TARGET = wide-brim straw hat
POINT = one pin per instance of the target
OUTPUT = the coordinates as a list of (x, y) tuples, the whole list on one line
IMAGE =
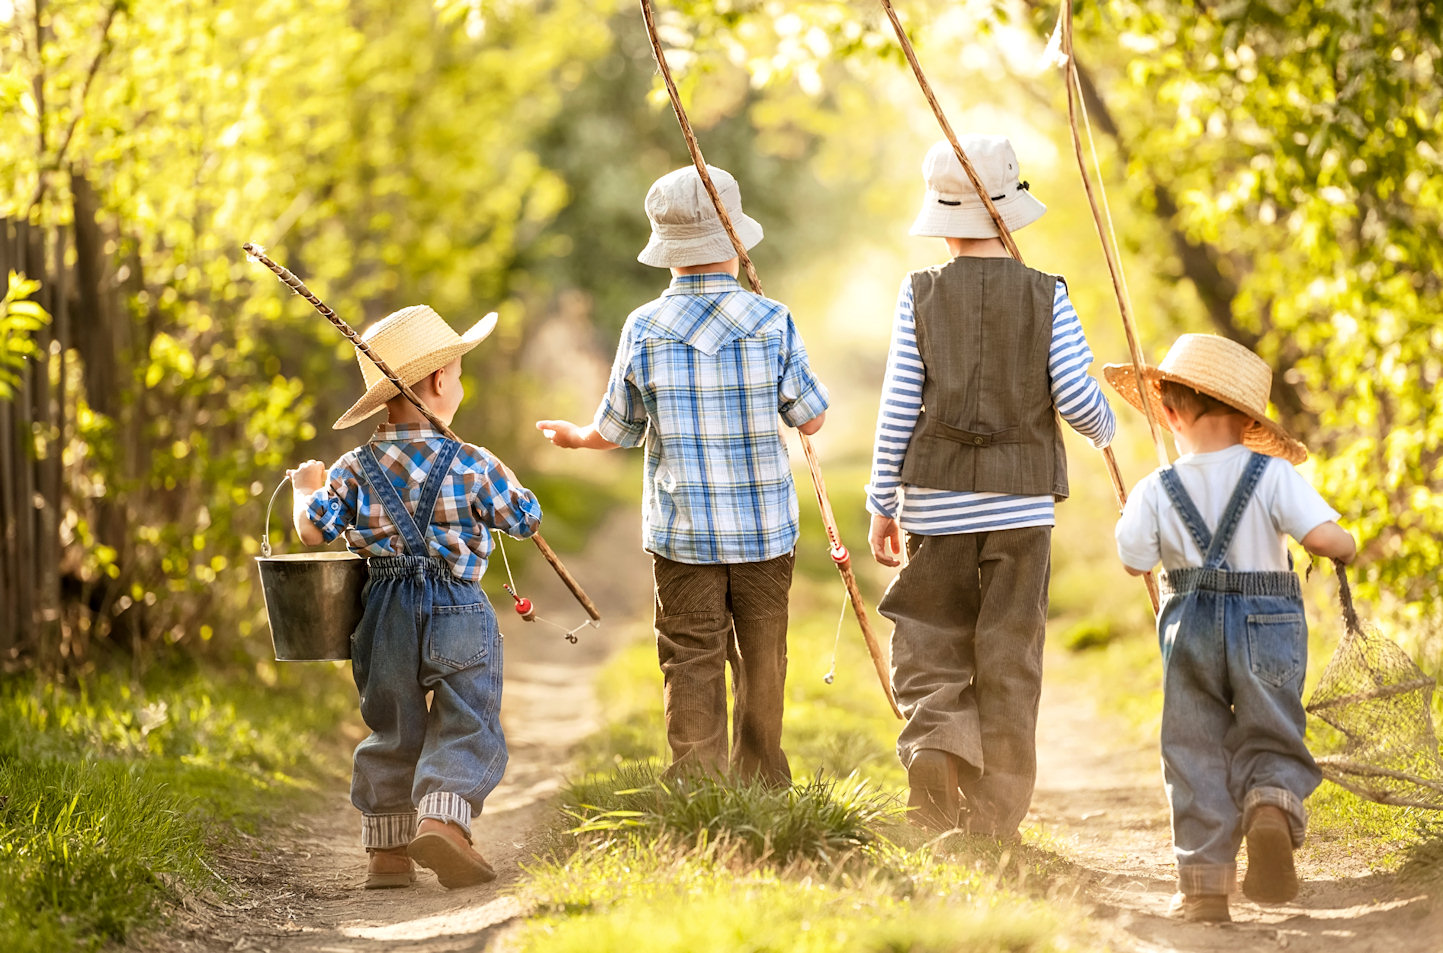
[(1222, 369), (413, 342), (953, 209), (685, 227)]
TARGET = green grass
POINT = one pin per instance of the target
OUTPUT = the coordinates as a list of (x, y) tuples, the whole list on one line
[(114, 795), (664, 896), (825, 866), (819, 820)]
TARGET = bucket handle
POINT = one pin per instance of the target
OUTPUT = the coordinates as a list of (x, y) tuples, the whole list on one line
[(266, 527)]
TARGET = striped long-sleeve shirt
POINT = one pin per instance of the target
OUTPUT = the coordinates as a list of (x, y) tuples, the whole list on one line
[(932, 512)]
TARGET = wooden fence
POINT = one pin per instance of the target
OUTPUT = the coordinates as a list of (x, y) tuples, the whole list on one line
[(52, 602)]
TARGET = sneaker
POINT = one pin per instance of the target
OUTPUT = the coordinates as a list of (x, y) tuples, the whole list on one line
[(1271, 876), (444, 848), (388, 867), (933, 793), (1200, 907)]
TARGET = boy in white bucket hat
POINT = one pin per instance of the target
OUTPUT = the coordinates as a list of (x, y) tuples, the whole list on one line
[(1233, 636), (968, 461), (420, 507), (700, 376)]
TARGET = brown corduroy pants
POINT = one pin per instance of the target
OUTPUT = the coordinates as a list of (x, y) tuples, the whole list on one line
[(709, 617), (970, 612)]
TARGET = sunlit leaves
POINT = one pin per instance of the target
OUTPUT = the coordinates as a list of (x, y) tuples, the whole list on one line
[(1301, 140), (20, 319)]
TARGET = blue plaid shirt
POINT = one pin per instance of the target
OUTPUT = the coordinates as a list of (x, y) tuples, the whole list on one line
[(700, 376), (475, 498)]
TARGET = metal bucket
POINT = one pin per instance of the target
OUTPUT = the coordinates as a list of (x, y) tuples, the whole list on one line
[(313, 600)]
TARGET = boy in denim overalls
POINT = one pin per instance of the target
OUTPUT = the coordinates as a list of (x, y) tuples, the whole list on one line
[(700, 377), (1233, 636), (420, 507)]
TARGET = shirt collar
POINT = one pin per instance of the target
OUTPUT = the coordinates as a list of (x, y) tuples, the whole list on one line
[(709, 283), (404, 433)]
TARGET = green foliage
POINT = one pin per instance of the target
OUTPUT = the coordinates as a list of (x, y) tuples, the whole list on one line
[(1299, 145), (20, 319), (113, 796), (1087, 634)]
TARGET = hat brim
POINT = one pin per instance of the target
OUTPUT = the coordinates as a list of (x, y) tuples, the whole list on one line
[(939, 220), (383, 390), (1263, 435), (712, 247)]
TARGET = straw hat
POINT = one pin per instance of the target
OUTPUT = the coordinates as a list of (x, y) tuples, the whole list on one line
[(413, 342), (953, 209), (685, 228), (1220, 368)]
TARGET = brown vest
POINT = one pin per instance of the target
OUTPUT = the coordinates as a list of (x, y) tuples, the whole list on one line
[(984, 329)]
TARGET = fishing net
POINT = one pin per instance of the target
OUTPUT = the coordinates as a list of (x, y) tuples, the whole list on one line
[(1381, 703)]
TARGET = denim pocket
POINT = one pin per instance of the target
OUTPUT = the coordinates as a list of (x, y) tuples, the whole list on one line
[(457, 636), (1275, 647)]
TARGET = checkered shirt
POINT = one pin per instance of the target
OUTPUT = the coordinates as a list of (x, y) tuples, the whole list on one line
[(700, 376), (476, 497)]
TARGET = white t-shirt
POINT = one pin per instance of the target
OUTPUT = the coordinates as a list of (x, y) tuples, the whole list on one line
[(1283, 504)]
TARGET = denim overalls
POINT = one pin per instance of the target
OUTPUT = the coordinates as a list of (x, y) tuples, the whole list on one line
[(423, 630), (1234, 649)]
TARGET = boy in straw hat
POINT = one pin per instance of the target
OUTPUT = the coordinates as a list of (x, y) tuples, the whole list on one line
[(968, 461), (700, 375), (420, 507), (1231, 627)]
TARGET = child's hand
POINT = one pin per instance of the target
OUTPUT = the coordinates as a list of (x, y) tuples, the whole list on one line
[(308, 477), (885, 535), (564, 433)]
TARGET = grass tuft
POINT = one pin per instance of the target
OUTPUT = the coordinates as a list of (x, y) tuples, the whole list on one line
[(820, 820)]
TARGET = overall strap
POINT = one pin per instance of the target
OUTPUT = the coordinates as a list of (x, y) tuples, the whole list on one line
[(1233, 514), (1191, 518), (408, 526), (435, 479)]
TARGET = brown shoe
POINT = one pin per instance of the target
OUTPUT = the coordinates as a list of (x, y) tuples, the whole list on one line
[(932, 792), (388, 867), (444, 848), (1200, 907), (1271, 876)]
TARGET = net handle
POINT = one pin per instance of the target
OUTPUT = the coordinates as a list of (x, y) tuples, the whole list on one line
[(1345, 598)]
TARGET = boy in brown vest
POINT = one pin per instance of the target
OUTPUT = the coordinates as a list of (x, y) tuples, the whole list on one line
[(968, 461)]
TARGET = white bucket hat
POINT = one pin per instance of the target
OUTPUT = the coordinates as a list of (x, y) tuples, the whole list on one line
[(413, 342), (953, 209), (1220, 368), (685, 228)]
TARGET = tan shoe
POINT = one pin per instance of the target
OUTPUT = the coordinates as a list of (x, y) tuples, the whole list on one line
[(1271, 876), (388, 867), (933, 792), (1200, 907), (444, 848)]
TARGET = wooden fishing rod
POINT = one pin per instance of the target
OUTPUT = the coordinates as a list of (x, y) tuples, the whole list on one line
[(837, 551), (1105, 236), (1118, 486), (296, 285)]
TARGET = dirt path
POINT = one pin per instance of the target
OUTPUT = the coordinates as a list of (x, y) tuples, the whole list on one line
[(1101, 799)]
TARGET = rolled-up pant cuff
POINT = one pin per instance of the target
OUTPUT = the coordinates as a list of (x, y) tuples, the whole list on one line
[(444, 806), (384, 831), (1213, 879), (1290, 804)]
